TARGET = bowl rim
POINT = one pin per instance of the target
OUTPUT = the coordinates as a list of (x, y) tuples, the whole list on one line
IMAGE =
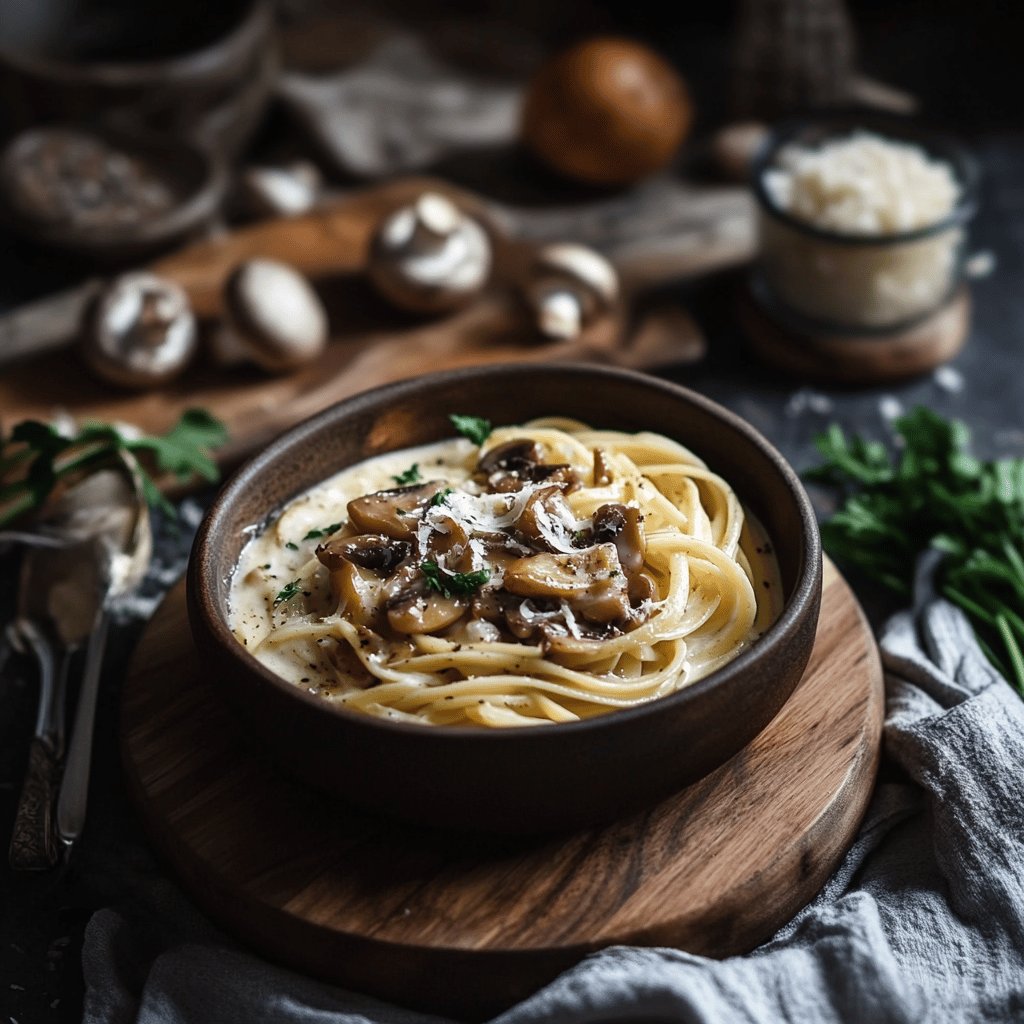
[(805, 592), (254, 22), (894, 127)]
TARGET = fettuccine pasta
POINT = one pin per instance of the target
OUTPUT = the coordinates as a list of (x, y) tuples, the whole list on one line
[(553, 573)]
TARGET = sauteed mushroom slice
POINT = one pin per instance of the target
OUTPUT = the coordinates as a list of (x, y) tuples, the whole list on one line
[(558, 473), (602, 469), (546, 516), (425, 613), (358, 591), (413, 608), (388, 512), (641, 588), (591, 581), (374, 551), (513, 455), (449, 543), (508, 466), (622, 525), (488, 606)]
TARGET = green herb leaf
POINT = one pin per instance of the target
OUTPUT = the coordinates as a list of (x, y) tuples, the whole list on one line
[(408, 476), (475, 428), (325, 532), (935, 493), (36, 456), (441, 496), (449, 584), (292, 546), (287, 592), (185, 449)]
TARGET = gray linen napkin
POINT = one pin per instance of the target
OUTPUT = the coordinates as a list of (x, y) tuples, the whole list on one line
[(924, 920)]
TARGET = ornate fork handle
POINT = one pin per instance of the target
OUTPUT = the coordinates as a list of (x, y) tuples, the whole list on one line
[(34, 844)]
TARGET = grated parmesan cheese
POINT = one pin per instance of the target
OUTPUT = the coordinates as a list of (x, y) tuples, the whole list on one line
[(874, 190), (863, 185)]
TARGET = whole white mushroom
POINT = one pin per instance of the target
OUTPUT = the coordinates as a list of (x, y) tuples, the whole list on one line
[(430, 256)]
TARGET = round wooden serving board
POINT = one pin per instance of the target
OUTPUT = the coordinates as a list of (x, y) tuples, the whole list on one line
[(468, 925)]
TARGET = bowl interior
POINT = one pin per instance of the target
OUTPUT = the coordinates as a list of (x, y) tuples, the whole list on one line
[(416, 412)]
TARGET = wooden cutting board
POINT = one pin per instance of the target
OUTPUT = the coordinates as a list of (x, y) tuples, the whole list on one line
[(469, 925), (373, 343)]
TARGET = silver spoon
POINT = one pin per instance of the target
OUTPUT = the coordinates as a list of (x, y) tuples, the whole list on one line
[(128, 552)]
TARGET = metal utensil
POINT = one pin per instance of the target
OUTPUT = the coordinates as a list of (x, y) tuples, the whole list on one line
[(58, 601), (126, 556)]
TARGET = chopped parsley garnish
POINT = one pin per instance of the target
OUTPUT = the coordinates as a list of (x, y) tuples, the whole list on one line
[(475, 428), (450, 584), (292, 546), (265, 566), (325, 532), (409, 476), (441, 496), (287, 592)]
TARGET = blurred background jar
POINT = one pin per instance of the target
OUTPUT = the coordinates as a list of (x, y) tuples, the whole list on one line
[(862, 221)]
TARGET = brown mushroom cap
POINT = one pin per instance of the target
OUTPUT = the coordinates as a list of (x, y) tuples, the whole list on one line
[(607, 111), (592, 581), (372, 551), (388, 511), (623, 526)]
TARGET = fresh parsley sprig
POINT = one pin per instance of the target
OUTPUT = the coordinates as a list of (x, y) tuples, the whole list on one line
[(408, 476), (325, 531), (449, 584), (287, 592), (36, 456), (476, 428), (936, 493)]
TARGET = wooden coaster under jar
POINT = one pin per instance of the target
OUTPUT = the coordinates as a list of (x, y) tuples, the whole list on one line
[(855, 358), (884, 299)]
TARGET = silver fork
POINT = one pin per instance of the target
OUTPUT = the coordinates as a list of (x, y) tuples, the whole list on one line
[(33, 838)]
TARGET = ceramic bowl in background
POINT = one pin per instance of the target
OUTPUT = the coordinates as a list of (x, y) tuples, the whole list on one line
[(184, 68)]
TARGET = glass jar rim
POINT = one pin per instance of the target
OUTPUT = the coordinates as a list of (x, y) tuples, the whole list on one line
[(895, 127)]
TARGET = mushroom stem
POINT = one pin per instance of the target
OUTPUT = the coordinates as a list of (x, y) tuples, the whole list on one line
[(436, 219), (560, 315)]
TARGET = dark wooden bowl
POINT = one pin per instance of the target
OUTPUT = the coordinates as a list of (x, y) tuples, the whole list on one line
[(517, 780), (184, 68)]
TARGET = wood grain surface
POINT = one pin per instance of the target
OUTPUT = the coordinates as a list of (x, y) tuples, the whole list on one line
[(468, 925), (850, 359), (371, 342)]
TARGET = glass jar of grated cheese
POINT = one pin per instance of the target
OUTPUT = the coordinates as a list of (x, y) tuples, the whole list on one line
[(861, 229)]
